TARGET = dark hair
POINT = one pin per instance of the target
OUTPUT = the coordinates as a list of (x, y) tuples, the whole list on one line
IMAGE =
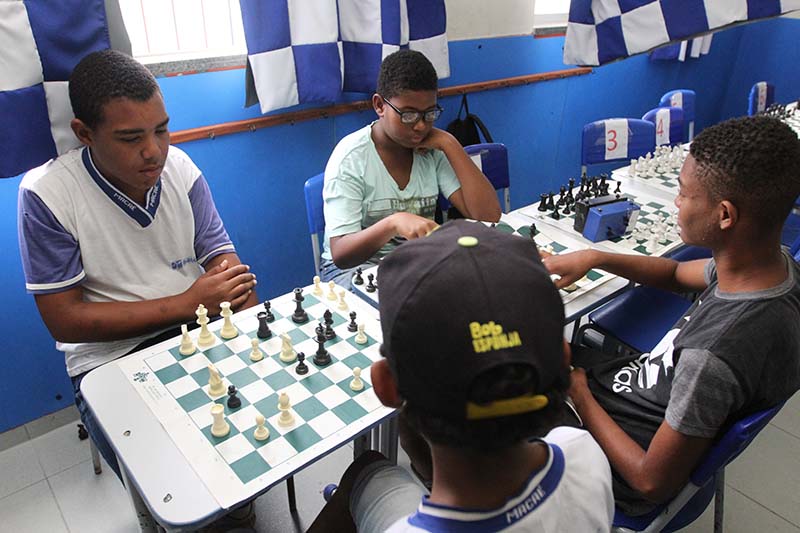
[(406, 70), (103, 76), (494, 434), (754, 162)]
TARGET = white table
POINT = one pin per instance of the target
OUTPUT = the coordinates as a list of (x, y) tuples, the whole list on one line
[(164, 489)]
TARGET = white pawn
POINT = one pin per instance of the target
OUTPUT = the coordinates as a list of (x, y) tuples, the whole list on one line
[(215, 385), (220, 427), (255, 353), (187, 345), (342, 303), (206, 338), (287, 418), (261, 432), (287, 350), (332, 290), (317, 286), (361, 337), (357, 383), (632, 169), (228, 330)]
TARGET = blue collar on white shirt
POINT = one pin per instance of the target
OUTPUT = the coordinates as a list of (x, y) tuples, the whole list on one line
[(433, 517), (143, 215)]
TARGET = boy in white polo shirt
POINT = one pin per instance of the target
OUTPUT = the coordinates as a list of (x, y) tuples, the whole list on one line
[(120, 240)]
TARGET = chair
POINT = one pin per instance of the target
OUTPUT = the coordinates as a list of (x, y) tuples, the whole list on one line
[(639, 318), (493, 162), (707, 480), (684, 99), (762, 95), (316, 215), (669, 124), (616, 139)]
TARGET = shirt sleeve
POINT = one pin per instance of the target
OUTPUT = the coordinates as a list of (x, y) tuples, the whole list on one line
[(446, 176), (704, 393), (210, 237), (343, 196), (51, 256)]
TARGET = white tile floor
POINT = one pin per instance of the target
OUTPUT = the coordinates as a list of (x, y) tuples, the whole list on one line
[(47, 484)]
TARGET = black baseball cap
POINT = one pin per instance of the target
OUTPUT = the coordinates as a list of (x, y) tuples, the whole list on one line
[(461, 301)]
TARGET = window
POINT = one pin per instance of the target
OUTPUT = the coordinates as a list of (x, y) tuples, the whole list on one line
[(548, 13), (180, 30)]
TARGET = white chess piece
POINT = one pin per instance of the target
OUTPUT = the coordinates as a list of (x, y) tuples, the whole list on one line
[(228, 330), (287, 350), (632, 169), (342, 303), (187, 345), (261, 432), (332, 290), (287, 418), (215, 385), (317, 286), (361, 337), (206, 338), (255, 353), (357, 383), (220, 427)]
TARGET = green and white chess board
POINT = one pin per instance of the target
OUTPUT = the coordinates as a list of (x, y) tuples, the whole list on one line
[(327, 412)]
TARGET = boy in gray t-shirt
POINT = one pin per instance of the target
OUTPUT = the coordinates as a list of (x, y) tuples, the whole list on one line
[(736, 350)]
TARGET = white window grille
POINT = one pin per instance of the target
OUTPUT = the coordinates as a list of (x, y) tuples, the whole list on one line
[(180, 30)]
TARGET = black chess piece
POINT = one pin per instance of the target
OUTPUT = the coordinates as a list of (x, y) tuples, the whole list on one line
[(566, 210), (562, 196), (555, 214), (534, 231), (571, 184), (550, 203), (371, 287), (358, 279), (322, 357), (302, 367), (263, 326), (82, 433), (268, 310), (543, 202), (327, 317), (618, 190), (299, 316), (352, 326), (233, 401), (329, 333)]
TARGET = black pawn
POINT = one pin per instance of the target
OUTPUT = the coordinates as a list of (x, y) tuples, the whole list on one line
[(555, 214), (566, 210), (329, 333), (542, 202), (322, 357), (233, 401), (302, 367), (371, 287), (268, 311), (358, 279), (534, 231), (352, 326), (550, 203), (299, 316), (263, 326), (618, 190)]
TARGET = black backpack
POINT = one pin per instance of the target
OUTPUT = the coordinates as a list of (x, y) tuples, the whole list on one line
[(468, 129)]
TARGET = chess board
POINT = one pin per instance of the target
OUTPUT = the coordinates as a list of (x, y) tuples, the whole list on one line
[(793, 121), (517, 225), (662, 184), (327, 412), (652, 209)]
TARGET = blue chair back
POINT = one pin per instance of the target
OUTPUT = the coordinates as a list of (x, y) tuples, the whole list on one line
[(315, 215), (706, 479), (669, 124), (684, 99), (617, 139), (762, 95), (494, 165)]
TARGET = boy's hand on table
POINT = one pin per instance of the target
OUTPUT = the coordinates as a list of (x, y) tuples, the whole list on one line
[(571, 267), (410, 226), (223, 283)]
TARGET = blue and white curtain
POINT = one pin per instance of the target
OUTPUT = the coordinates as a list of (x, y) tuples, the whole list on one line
[(41, 41), (304, 51), (600, 31), (697, 47)]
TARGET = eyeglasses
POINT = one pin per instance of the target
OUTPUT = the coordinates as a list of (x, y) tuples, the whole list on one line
[(412, 117)]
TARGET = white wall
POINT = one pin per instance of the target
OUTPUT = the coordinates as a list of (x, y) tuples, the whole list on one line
[(474, 19)]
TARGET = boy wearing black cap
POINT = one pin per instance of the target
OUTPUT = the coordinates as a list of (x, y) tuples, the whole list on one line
[(478, 381), (736, 350)]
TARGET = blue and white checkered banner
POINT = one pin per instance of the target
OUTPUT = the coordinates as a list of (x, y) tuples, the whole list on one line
[(600, 31), (302, 51), (41, 41)]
